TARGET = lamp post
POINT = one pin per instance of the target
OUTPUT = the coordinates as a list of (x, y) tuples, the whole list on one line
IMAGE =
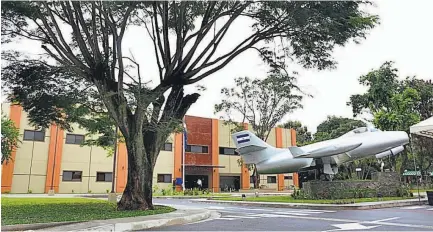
[(112, 196)]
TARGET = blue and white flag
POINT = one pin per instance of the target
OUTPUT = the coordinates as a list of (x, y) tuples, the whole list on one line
[(243, 138)]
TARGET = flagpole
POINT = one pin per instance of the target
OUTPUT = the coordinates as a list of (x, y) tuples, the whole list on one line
[(183, 156)]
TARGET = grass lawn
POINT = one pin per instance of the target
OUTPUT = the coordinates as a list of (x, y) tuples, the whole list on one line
[(289, 199), (42, 210)]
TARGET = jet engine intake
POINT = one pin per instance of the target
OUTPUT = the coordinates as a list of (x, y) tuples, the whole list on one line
[(393, 151)]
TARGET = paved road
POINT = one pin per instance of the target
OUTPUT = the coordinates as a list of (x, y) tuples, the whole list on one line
[(245, 218)]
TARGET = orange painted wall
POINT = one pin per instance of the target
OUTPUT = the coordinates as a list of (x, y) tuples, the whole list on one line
[(293, 138), (178, 158), (8, 169), (55, 151), (245, 174), (122, 167), (279, 144), (200, 133), (215, 154)]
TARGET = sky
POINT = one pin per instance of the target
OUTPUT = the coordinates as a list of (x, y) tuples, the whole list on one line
[(405, 36)]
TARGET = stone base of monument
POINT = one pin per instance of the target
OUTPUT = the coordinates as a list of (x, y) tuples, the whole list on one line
[(383, 184)]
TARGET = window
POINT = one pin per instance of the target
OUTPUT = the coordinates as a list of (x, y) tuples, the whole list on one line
[(72, 175), (168, 147), (288, 177), (104, 176), (30, 135), (228, 151), (271, 180), (197, 149), (164, 178), (74, 139)]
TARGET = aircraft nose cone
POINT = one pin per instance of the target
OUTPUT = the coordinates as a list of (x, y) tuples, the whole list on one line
[(401, 137)]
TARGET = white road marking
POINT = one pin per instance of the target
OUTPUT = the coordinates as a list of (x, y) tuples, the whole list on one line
[(386, 219), (352, 226), (431, 209), (414, 207), (229, 219), (235, 216), (215, 207)]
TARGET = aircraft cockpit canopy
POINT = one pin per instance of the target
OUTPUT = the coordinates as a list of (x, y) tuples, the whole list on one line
[(360, 130)]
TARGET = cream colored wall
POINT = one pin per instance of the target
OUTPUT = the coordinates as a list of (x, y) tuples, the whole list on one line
[(224, 140), (100, 163), (6, 109), (164, 165), (224, 135), (287, 138), (264, 181), (287, 183), (31, 159)]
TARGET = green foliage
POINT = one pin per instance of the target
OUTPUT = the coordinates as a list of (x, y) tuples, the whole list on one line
[(10, 138), (334, 127), (303, 136), (396, 105), (41, 210)]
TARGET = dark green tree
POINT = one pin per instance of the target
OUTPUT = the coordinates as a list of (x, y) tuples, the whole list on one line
[(303, 136), (84, 68), (261, 103), (394, 104)]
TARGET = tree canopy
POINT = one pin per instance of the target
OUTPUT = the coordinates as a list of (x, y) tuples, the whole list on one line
[(334, 127), (84, 70), (303, 136)]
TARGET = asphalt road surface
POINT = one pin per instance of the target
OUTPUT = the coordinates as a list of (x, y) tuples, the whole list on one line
[(252, 218)]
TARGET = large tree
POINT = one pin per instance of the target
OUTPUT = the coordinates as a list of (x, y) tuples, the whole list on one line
[(394, 103), (84, 68), (261, 103)]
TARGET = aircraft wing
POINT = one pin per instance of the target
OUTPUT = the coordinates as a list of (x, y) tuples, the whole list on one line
[(325, 151)]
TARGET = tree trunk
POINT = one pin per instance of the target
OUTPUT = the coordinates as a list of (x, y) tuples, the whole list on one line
[(257, 178), (138, 191)]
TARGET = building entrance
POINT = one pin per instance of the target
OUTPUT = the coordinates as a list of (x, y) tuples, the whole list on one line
[(191, 181), (228, 183)]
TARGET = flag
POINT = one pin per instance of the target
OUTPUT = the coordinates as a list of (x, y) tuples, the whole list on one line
[(185, 134)]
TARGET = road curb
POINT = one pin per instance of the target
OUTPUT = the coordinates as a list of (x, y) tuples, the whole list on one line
[(108, 226), (356, 206), (37, 226), (161, 222)]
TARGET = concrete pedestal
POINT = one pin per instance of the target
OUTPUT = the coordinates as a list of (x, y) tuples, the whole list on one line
[(51, 192), (112, 197)]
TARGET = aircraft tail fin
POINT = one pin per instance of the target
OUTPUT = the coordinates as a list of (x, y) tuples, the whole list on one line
[(251, 148)]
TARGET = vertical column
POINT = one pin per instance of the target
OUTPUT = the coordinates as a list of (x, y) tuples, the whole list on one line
[(122, 167), (8, 168), (279, 144), (293, 143), (177, 172), (245, 174), (215, 156), (55, 152)]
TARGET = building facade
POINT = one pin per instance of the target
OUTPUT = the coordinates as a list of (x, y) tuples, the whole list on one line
[(54, 160)]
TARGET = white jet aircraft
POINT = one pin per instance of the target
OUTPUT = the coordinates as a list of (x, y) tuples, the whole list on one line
[(324, 156)]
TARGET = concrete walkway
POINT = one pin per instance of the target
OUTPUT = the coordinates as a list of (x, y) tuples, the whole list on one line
[(182, 215)]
